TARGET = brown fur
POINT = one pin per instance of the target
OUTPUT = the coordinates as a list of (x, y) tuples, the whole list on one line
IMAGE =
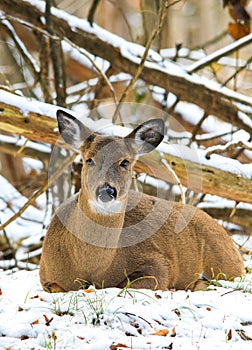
[(172, 243)]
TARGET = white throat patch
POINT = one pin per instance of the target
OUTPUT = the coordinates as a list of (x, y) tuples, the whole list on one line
[(106, 208)]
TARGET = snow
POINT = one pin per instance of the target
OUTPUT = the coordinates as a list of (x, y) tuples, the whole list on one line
[(28, 106), (220, 53), (112, 318), (101, 319), (134, 52), (199, 156)]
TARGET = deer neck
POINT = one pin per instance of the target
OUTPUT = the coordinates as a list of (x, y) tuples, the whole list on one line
[(102, 229)]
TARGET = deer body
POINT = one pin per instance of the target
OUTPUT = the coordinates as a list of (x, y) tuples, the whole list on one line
[(108, 234)]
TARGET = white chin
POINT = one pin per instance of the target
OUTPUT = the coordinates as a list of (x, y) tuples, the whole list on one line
[(106, 208)]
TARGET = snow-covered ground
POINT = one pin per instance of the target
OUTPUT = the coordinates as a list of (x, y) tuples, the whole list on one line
[(116, 319), (30, 318)]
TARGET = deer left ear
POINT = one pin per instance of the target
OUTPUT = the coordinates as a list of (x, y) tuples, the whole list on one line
[(147, 136), (72, 130)]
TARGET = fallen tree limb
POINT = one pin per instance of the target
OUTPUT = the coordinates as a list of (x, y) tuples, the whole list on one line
[(242, 217), (125, 56), (37, 122)]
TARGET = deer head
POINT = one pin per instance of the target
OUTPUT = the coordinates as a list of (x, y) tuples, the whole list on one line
[(108, 160)]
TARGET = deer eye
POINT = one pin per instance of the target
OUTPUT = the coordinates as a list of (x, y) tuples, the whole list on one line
[(90, 162), (124, 163)]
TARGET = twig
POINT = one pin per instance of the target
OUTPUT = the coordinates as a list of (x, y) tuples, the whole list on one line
[(174, 175), (54, 177), (227, 50), (198, 126), (212, 41), (57, 59), (29, 25), (116, 3), (233, 211), (201, 138), (20, 150), (237, 71), (156, 30), (219, 149), (92, 10), (102, 74), (29, 60)]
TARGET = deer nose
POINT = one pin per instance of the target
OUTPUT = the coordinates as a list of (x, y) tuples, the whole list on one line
[(106, 193)]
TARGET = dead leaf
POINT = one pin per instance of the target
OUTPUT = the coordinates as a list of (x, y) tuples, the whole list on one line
[(161, 332), (117, 346), (173, 332), (238, 30), (229, 334), (81, 338), (20, 309), (35, 297), (35, 322), (47, 320), (1, 291), (24, 337)]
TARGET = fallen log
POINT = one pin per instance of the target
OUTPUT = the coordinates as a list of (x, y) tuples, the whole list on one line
[(218, 176)]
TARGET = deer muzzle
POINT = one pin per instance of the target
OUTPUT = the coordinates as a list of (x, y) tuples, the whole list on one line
[(106, 193)]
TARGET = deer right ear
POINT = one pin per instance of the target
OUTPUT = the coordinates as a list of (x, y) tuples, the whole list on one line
[(147, 136), (72, 130)]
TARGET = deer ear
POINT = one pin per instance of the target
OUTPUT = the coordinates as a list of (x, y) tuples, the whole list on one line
[(147, 136), (71, 129)]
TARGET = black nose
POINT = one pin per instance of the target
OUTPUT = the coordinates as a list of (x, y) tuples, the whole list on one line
[(106, 193)]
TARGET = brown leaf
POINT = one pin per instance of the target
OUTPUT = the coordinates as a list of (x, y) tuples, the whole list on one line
[(81, 338), (229, 334), (24, 337), (35, 297), (20, 309), (238, 30), (161, 332), (47, 320), (173, 332), (35, 322), (1, 292), (114, 346)]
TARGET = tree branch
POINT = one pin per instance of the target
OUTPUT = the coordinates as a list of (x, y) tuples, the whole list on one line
[(124, 57), (213, 57), (193, 173), (51, 180)]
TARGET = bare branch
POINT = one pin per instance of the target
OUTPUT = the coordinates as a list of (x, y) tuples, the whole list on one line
[(156, 30), (213, 57), (57, 58), (120, 53), (220, 149), (204, 178), (92, 10), (44, 188)]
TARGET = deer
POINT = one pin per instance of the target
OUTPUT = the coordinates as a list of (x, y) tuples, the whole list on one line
[(109, 235)]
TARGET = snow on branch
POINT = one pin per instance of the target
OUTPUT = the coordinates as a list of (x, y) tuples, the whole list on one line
[(219, 176), (125, 56), (213, 57), (230, 146)]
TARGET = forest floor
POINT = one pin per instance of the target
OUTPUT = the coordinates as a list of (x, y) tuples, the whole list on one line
[(111, 318)]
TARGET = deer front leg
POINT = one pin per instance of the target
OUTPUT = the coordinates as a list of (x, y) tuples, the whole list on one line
[(53, 288), (149, 276)]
